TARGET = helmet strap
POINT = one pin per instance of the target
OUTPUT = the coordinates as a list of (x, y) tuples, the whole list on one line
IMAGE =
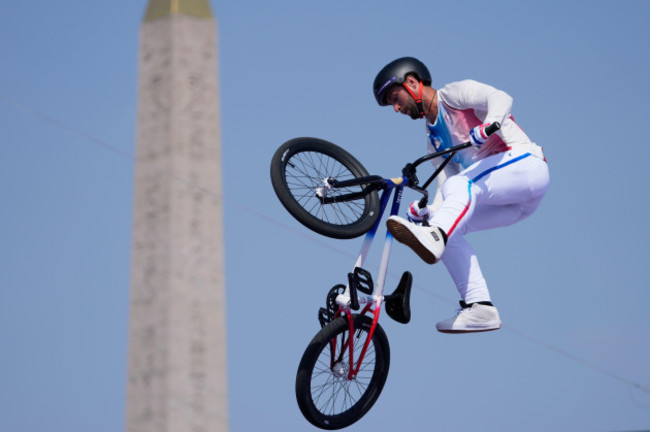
[(418, 98)]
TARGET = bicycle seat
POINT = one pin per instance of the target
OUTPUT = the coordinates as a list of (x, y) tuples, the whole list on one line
[(398, 304)]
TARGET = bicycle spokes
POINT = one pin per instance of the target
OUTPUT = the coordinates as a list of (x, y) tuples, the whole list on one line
[(345, 380), (333, 389), (349, 352)]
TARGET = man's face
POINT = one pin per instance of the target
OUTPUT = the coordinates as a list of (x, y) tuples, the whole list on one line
[(402, 102)]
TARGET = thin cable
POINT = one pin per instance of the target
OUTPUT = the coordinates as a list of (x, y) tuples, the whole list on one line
[(578, 359), (73, 131), (262, 216)]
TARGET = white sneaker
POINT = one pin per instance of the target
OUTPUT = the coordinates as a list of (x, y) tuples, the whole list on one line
[(428, 242), (471, 318)]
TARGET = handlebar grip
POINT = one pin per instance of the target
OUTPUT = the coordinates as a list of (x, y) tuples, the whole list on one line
[(492, 128)]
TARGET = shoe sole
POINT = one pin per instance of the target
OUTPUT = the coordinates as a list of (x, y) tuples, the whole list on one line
[(469, 331), (403, 235)]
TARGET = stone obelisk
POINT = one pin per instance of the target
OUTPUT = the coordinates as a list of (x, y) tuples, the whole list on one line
[(177, 380)]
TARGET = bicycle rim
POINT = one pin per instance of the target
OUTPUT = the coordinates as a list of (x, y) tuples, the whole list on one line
[(299, 168), (326, 395)]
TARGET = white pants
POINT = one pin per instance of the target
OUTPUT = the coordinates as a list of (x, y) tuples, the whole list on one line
[(494, 192)]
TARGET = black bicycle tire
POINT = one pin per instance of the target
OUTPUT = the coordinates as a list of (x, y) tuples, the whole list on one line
[(353, 219), (320, 342)]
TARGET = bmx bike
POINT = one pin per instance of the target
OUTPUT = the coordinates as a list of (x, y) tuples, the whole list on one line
[(344, 368)]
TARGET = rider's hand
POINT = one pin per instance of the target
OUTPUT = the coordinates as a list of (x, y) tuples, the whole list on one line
[(477, 136), (416, 214)]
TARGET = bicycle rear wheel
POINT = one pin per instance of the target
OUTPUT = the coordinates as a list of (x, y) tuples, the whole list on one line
[(298, 169), (326, 396)]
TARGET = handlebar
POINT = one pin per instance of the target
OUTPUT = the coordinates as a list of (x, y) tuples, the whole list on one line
[(488, 131), (409, 169), (372, 183)]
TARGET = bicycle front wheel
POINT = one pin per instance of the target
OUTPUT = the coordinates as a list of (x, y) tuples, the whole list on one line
[(327, 397), (299, 168)]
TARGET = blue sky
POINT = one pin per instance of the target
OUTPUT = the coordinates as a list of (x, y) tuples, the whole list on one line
[(569, 282)]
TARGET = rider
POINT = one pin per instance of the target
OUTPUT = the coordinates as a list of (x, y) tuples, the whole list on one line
[(498, 181)]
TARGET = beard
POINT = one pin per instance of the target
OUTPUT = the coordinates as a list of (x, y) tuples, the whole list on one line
[(412, 111), (414, 115)]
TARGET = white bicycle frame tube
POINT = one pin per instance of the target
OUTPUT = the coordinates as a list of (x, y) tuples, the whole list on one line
[(378, 293)]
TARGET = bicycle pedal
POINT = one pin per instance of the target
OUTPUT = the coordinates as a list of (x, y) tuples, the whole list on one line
[(398, 304), (363, 281)]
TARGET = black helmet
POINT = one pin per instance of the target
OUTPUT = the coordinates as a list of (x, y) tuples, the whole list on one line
[(395, 72)]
